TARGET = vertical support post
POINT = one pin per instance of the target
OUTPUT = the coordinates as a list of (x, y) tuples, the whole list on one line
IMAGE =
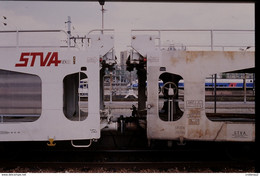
[(111, 86), (159, 39), (79, 96), (17, 38), (141, 72), (69, 30), (215, 76), (102, 25), (211, 39), (212, 87), (170, 109), (102, 3), (120, 83), (253, 83), (101, 84), (244, 80), (215, 93)]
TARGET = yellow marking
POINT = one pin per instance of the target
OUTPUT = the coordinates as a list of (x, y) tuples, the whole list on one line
[(51, 144)]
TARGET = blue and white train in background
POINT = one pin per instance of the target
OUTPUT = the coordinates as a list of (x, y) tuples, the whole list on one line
[(209, 83), (229, 83), (83, 88)]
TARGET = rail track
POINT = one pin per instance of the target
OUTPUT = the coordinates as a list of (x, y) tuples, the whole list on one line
[(182, 159), (187, 166)]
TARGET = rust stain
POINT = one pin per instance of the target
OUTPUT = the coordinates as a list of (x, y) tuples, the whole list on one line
[(194, 113), (192, 55), (174, 60), (198, 133), (207, 132), (193, 121), (229, 54)]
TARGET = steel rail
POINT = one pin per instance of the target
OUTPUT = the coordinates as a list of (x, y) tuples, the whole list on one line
[(181, 166)]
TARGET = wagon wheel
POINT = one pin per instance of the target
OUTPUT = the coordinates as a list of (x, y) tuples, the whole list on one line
[(167, 86)]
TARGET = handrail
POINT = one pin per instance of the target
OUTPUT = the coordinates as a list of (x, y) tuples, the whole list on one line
[(31, 31), (101, 30), (82, 146), (10, 31), (169, 30), (211, 31), (44, 31)]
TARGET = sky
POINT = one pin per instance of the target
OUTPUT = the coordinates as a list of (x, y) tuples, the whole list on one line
[(124, 16)]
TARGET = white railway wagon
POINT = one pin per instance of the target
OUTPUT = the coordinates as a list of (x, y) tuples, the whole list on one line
[(43, 80), (169, 122), (40, 78)]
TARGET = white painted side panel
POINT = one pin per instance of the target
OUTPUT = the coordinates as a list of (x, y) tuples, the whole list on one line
[(52, 122), (193, 67)]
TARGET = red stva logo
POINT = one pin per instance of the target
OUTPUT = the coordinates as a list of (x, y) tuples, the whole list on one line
[(28, 59)]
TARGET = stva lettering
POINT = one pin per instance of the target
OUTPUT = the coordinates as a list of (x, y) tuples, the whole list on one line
[(28, 59)]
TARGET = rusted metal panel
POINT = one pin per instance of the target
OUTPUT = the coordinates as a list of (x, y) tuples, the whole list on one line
[(193, 66)]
